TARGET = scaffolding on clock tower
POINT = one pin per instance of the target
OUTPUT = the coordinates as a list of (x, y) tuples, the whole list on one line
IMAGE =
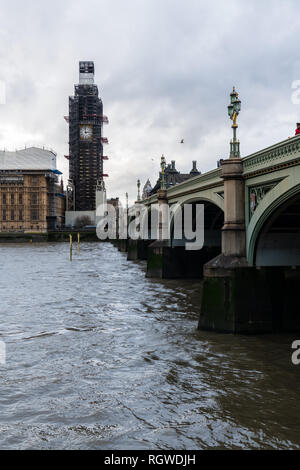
[(86, 141)]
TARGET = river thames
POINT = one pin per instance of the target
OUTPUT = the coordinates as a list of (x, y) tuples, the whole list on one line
[(99, 357)]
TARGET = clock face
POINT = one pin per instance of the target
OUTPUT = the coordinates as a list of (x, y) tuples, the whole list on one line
[(86, 132)]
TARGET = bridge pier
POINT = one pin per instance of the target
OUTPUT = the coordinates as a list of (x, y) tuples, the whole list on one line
[(167, 262), (235, 297), (249, 300), (156, 250), (137, 249), (123, 245), (233, 292)]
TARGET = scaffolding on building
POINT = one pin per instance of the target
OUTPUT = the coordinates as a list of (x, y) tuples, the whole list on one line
[(85, 155)]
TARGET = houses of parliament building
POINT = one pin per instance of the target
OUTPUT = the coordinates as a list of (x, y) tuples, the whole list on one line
[(31, 197)]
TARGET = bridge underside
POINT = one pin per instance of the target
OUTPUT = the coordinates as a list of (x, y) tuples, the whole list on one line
[(279, 241), (213, 223), (171, 260), (262, 298)]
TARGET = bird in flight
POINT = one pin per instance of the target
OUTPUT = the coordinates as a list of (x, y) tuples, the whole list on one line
[(182, 141)]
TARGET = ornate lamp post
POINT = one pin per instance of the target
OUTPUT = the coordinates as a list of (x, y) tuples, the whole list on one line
[(127, 217), (163, 167), (139, 190), (233, 112)]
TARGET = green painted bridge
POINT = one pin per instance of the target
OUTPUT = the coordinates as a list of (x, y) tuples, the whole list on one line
[(250, 260), (271, 198)]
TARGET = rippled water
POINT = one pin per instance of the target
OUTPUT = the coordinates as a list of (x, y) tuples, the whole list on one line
[(99, 357)]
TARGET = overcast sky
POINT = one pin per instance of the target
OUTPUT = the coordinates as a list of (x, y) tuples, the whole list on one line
[(164, 69)]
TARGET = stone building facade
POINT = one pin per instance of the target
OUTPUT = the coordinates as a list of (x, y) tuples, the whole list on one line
[(31, 198)]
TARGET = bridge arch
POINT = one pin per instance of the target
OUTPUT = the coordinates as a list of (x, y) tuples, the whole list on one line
[(273, 231), (201, 196), (213, 220)]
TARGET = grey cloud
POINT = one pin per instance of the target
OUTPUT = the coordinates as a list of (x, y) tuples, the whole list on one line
[(164, 70)]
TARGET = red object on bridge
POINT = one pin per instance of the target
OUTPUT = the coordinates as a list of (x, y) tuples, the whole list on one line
[(297, 131), (104, 176), (104, 140), (105, 158)]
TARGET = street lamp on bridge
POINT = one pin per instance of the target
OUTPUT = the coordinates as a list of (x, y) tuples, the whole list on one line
[(139, 190), (163, 168), (233, 112)]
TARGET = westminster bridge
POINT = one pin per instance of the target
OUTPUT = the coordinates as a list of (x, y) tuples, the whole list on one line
[(250, 261)]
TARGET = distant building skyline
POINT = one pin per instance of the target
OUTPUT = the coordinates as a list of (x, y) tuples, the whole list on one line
[(173, 177)]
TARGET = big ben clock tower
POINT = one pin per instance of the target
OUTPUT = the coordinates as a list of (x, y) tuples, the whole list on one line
[(85, 140)]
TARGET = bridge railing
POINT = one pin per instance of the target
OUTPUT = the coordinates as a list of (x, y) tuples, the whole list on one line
[(282, 152)]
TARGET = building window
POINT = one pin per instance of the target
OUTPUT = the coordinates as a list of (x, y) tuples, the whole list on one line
[(20, 214), (12, 215), (20, 198), (34, 214), (34, 198), (34, 180), (4, 215), (12, 198), (3, 198)]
